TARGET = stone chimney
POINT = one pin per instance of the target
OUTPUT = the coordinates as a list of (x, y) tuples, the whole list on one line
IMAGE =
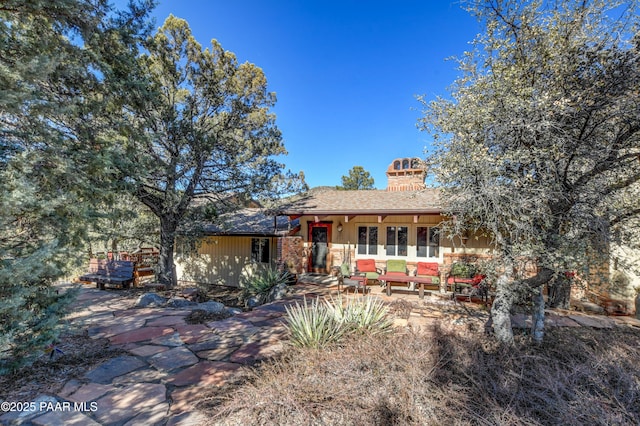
[(406, 174)]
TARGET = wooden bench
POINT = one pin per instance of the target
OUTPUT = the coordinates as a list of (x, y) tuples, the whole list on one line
[(113, 272), (143, 274)]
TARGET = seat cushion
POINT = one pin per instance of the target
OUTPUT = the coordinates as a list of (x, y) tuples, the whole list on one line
[(366, 265), (397, 265), (344, 270), (477, 279), (429, 269)]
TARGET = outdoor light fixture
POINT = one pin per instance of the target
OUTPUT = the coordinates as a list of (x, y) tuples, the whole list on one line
[(339, 228)]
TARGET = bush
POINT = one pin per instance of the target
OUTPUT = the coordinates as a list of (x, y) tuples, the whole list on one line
[(260, 285), (319, 324), (462, 270)]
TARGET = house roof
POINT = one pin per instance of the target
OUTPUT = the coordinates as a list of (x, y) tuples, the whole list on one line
[(328, 201), (251, 221)]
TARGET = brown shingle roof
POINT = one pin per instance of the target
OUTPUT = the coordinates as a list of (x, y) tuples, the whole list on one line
[(327, 200), (250, 221)]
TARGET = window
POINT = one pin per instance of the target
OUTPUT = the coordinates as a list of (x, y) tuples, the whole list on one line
[(427, 242), (405, 164), (260, 250), (397, 238), (367, 240), (396, 165)]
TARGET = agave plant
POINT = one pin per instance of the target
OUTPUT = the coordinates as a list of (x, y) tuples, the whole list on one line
[(261, 284)]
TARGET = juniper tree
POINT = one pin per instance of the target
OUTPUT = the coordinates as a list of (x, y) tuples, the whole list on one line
[(539, 144)]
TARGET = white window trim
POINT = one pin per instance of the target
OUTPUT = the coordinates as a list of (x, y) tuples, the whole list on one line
[(412, 248)]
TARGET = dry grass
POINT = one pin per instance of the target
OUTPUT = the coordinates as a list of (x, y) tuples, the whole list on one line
[(578, 376), (48, 375)]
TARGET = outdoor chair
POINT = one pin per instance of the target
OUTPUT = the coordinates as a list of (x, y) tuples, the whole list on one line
[(466, 281), (429, 270), (367, 267), (345, 280), (397, 267)]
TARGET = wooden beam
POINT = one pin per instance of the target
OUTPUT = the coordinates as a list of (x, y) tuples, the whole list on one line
[(415, 218), (381, 218), (347, 218)]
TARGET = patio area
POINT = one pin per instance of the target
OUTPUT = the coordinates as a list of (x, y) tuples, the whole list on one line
[(164, 362)]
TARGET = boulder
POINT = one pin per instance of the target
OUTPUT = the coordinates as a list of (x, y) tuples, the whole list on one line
[(254, 301), (234, 311), (278, 292), (179, 302), (211, 306), (150, 299), (190, 293)]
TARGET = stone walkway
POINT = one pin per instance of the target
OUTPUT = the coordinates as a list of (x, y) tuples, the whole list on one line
[(166, 365), (167, 362)]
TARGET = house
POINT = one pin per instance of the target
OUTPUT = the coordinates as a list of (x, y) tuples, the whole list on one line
[(319, 230), (246, 242), (322, 228), (400, 222)]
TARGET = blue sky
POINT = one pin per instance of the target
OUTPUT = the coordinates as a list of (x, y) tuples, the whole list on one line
[(346, 73)]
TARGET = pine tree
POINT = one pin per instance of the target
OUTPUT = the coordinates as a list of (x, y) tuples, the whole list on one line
[(199, 128), (358, 179)]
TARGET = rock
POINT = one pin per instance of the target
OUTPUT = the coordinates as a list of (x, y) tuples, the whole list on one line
[(277, 292), (234, 311), (189, 293), (589, 307), (178, 302), (211, 307), (149, 299), (254, 301)]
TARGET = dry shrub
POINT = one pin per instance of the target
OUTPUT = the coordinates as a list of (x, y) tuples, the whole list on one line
[(48, 374), (370, 379), (578, 376), (401, 308)]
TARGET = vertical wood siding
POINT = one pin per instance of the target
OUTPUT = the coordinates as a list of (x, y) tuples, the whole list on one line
[(221, 260)]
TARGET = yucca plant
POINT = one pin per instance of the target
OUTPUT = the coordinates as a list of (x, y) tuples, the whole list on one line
[(312, 325), (364, 314), (317, 324)]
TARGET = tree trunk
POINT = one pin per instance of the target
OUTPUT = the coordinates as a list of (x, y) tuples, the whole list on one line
[(501, 308), (167, 270), (538, 317), (508, 292), (560, 292), (115, 255)]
